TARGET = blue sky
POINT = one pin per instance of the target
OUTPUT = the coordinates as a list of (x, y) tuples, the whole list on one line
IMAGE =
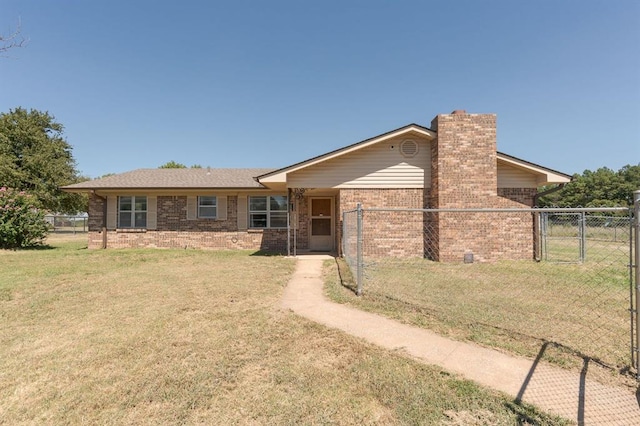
[(271, 83)]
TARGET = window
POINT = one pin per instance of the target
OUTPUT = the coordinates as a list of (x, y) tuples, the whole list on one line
[(268, 211), (132, 212), (208, 207)]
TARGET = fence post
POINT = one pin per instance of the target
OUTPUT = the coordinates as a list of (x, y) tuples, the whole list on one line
[(537, 235), (343, 245), (636, 272), (583, 236), (544, 225), (359, 241)]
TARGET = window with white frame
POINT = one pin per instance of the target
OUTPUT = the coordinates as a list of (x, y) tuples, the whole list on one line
[(132, 211), (208, 207), (268, 211)]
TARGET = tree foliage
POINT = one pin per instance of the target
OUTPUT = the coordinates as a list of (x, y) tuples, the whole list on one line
[(601, 188), (22, 224), (172, 165), (175, 165), (35, 157)]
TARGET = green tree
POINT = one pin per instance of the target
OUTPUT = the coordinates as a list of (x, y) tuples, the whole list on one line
[(35, 157), (172, 165), (22, 224), (175, 165), (601, 188)]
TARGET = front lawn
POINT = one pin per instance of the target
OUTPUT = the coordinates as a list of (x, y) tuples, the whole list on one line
[(188, 336)]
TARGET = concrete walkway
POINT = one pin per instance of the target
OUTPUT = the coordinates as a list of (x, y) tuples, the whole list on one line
[(567, 394)]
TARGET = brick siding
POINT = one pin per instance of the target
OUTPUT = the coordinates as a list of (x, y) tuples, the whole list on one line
[(300, 238), (175, 231), (463, 169), (464, 175), (389, 234), (524, 196)]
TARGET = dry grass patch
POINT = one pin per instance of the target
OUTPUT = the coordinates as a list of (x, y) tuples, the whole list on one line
[(195, 337), (560, 311)]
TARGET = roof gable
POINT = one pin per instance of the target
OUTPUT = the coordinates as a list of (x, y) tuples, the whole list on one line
[(280, 176)]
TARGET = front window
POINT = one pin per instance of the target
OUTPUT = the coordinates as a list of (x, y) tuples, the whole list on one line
[(268, 211), (207, 207), (132, 212)]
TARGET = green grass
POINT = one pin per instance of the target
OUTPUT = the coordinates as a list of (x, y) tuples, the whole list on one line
[(581, 309), (187, 336)]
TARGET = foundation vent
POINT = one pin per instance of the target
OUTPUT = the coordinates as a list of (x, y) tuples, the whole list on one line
[(409, 148)]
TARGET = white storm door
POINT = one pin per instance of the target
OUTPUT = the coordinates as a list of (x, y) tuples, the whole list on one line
[(321, 229)]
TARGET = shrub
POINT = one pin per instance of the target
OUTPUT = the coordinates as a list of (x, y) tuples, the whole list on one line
[(22, 224)]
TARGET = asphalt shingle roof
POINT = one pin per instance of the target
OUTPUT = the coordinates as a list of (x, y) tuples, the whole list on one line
[(176, 178)]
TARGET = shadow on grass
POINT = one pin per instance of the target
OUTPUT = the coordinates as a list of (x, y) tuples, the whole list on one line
[(520, 410), (34, 248), (266, 253), (525, 414), (346, 279)]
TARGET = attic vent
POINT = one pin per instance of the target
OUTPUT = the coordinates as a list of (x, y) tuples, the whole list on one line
[(409, 148)]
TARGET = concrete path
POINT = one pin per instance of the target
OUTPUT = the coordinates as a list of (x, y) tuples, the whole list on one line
[(567, 394)]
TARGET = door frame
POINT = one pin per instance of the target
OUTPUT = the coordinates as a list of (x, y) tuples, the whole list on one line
[(332, 215)]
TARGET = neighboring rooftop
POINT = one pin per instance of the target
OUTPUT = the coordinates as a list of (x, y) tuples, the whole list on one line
[(175, 178)]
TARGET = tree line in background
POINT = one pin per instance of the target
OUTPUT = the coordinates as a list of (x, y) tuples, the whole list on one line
[(175, 165), (36, 160), (601, 188)]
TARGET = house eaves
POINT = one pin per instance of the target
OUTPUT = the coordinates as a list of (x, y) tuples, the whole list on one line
[(546, 175), (173, 179)]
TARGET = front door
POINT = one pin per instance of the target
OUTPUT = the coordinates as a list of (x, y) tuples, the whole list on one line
[(321, 214)]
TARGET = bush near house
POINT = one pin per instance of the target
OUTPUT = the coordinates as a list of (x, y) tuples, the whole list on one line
[(22, 224)]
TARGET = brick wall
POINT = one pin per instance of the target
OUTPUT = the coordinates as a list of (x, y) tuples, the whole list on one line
[(413, 198), (272, 240), (464, 172), (440, 236), (488, 236), (464, 175), (172, 216), (96, 213), (389, 234), (175, 231), (301, 218), (524, 196)]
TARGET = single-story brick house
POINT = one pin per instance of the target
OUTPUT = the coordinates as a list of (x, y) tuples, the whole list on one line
[(452, 164)]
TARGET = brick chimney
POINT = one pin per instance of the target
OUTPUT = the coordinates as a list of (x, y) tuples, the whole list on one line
[(463, 160)]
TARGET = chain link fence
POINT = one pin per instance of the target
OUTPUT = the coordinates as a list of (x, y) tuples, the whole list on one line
[(67, 223), (575, 231), (514, 279)]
